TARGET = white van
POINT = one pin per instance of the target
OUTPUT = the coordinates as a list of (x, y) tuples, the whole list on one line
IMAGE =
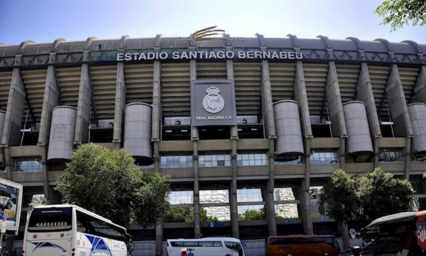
[(214, 246)]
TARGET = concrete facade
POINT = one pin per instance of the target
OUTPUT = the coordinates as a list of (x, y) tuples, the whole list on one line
[(100, 77)]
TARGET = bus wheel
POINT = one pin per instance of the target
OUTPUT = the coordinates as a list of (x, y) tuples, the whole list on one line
[(326, 254), (289, 254)]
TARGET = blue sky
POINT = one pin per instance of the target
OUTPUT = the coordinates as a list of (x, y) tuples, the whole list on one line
[(46, 20)]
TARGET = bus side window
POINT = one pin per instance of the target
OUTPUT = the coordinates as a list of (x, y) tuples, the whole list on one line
[(231, 245), (177, 244), (80, 227), (206, 243)]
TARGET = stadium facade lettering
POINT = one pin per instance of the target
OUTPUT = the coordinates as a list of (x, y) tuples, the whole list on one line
[(200, 55)]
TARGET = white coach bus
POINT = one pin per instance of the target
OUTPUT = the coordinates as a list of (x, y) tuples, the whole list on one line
[(214, 246), (69, 230)]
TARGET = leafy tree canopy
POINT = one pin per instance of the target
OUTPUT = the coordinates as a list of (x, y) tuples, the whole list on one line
[(342, 196), (398, 13), (366, 197), (109, 183)]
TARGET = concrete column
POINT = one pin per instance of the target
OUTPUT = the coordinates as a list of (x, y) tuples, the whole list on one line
[(233, 202), (15, 107), (270, 205), (156, 102), (342, 153), (302, 100), (120, 103), (195, 138), (2, 118), (155, 134), (230, 76), (9, 162), (397, 104), (420, 88), (50, 100), (365, 94), (54, 196), (334, 100), (399, 112), (46, 188), (407, 158), (338, 123), (268, 110), (84, 107), (268, 115), (308, 227)]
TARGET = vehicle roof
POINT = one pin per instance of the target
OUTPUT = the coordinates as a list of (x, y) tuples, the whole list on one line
[(395, 216), (289, 236), (206, 239)]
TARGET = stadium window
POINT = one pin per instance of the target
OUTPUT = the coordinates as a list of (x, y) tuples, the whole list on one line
[(252, 160), (214, 160), (28, 164)]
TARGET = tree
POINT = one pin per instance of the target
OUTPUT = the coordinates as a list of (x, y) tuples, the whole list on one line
[(180, 214), (341, 196), (366, 197), (398, 13), (110, 184), (386, 195)]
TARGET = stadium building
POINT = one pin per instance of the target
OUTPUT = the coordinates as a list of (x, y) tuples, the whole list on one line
[(249, 129)]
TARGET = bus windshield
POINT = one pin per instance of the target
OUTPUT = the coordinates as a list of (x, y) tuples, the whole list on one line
[(50, 219)]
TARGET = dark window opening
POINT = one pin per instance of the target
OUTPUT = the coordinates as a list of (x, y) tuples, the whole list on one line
[(250, 131), (176, 133), (387, 130), (176, 128), (29, 138), (321, 130), (214, 133), (101, 135)]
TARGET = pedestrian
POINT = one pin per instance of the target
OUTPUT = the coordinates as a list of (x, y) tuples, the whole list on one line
[(183, 252), (190, 252)]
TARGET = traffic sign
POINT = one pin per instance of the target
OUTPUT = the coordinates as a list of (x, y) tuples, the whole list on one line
[(352, 232)]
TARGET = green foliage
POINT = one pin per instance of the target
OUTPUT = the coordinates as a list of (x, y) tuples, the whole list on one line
[(398, 13), (341, 195), (387, 195), (366, 197), (110, 184), (252, 215), (181, 214)]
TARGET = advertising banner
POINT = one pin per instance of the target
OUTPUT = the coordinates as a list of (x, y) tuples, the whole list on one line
[(10, 204)]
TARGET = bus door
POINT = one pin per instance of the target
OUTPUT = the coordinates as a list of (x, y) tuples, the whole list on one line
[(49, 232)]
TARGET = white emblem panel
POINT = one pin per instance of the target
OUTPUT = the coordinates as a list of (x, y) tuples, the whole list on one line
[(213, 102)]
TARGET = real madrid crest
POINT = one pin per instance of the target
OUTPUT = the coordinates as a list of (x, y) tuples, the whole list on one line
[(213, 102)]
